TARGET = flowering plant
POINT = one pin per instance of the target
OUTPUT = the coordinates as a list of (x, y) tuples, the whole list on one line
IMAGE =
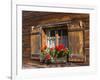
[(52, 54)]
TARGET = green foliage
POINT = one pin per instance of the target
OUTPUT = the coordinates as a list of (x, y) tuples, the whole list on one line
[(69, 52), (52, 54)]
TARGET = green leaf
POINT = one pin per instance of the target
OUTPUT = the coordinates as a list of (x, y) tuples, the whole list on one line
[(69, 51)]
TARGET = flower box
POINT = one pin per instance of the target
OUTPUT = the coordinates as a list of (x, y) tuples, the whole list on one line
[(56, 55)]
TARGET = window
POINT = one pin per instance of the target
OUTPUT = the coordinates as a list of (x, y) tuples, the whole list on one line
[(56, 37)]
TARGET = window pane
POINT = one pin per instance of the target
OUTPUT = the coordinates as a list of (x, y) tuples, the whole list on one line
[(56, 37), (64, 37), (64, 32), (64, 40), (52, 33), (59, 32), (51, 40)]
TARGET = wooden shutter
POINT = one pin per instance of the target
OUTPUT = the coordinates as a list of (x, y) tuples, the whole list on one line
[(35, 41), (76, 41)]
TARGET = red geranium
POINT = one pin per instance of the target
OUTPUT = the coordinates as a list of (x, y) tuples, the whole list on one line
[(52, 48), (48, 57), (60, 47)]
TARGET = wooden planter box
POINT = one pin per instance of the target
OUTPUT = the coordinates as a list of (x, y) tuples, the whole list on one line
[(61, 60)]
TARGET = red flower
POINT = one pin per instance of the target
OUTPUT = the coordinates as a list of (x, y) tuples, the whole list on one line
[(48, 56), (52, 48), (59, 47)]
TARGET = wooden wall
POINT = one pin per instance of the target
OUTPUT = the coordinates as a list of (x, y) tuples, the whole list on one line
[(27, 23)]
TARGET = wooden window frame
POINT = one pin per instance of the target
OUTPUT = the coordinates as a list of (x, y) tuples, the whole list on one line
[(58, 28)]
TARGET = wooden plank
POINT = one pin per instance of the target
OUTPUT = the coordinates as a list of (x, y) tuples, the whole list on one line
[(43, 38), (74, 30), (86, 38), (35, 41), (76, 44)]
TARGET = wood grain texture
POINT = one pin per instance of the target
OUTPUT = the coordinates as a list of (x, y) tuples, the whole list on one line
[(75, 34)]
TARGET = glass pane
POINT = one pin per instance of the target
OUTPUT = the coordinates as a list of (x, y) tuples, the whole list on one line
[(51, 40), (59, 32), (64, 32), (52, 33), (64, 40), (61, 37)]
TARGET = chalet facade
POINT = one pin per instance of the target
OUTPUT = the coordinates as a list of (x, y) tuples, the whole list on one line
[(52, 29)]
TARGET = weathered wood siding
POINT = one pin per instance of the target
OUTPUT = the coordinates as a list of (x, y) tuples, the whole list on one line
[(26, 43), (75, 38)]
